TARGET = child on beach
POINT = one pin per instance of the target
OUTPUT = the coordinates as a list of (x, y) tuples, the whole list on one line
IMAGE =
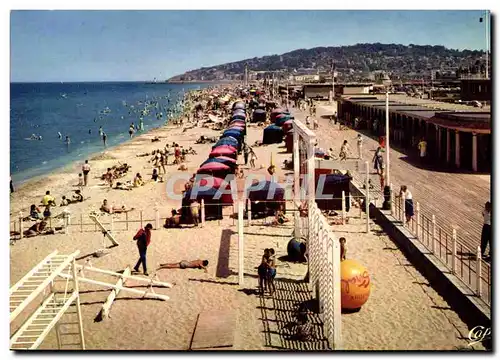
[(343, 250)]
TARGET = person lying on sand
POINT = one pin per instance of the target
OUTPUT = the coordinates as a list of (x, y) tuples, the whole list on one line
[(174, 221), (143, 155), (124, 186), (105, 207), (34, 230), (184, 264)]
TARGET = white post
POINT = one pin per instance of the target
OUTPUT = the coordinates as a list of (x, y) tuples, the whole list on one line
[(66, 223), (387, 133), (296, 181), (78, 308), (21, 228), (241, 251), (202, 212), (478, 272), (367, 197), (418, 221), (433, 245), (343, 207), (249, 212), (454, 252), (403, 209)]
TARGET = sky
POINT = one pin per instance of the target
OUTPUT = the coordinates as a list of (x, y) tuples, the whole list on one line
[(136, 45)]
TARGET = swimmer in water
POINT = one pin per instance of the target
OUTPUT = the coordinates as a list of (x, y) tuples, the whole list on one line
[(68, 141), (59, 134), (40, 137), (100, 131)]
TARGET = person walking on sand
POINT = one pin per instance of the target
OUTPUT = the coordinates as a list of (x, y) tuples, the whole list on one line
[(422, 148), (486, 232), (143, 239), (85, 170), (253, 157), (359, 141)]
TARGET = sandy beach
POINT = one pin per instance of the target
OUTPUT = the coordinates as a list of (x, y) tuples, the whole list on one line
[(402, 313)]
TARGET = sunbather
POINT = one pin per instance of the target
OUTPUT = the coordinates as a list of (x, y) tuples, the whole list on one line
[(184, 264), (105, 207)]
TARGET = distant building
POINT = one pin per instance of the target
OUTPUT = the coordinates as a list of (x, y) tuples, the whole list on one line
[(475, 89), (323, 91)]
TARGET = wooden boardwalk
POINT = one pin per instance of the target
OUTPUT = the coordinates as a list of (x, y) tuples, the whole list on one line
[(456, 199)]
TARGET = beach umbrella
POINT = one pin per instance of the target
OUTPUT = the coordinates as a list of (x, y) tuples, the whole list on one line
[(272, 135), (237, 121), (209, 180), (224, 150), (266, 198), (216, 169), (222, 160), (237, 126), (287, 125), (238, 134), (239, 117), (227, 140), (259, 115), (239, 105), (282, 120)]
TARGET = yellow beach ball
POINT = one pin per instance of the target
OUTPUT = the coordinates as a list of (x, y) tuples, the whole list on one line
[(355, 284)]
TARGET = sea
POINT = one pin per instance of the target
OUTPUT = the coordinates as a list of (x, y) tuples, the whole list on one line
[(39, 111)]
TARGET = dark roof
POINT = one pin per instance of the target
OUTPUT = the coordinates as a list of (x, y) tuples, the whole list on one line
[(397, 107)]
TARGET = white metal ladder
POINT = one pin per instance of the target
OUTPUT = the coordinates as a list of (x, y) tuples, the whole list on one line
[(34, 330)]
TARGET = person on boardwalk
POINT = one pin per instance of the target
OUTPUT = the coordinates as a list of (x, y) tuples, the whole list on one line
[(143, 239), (486, 232), (359, 142), (404, 192), (85, 170), (378, 160), (344, 149), (422, 148)]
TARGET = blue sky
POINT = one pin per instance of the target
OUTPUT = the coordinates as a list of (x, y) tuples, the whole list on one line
[(142, 45)]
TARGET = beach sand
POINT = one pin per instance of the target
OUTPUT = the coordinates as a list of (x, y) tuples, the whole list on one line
[(403, 311)]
